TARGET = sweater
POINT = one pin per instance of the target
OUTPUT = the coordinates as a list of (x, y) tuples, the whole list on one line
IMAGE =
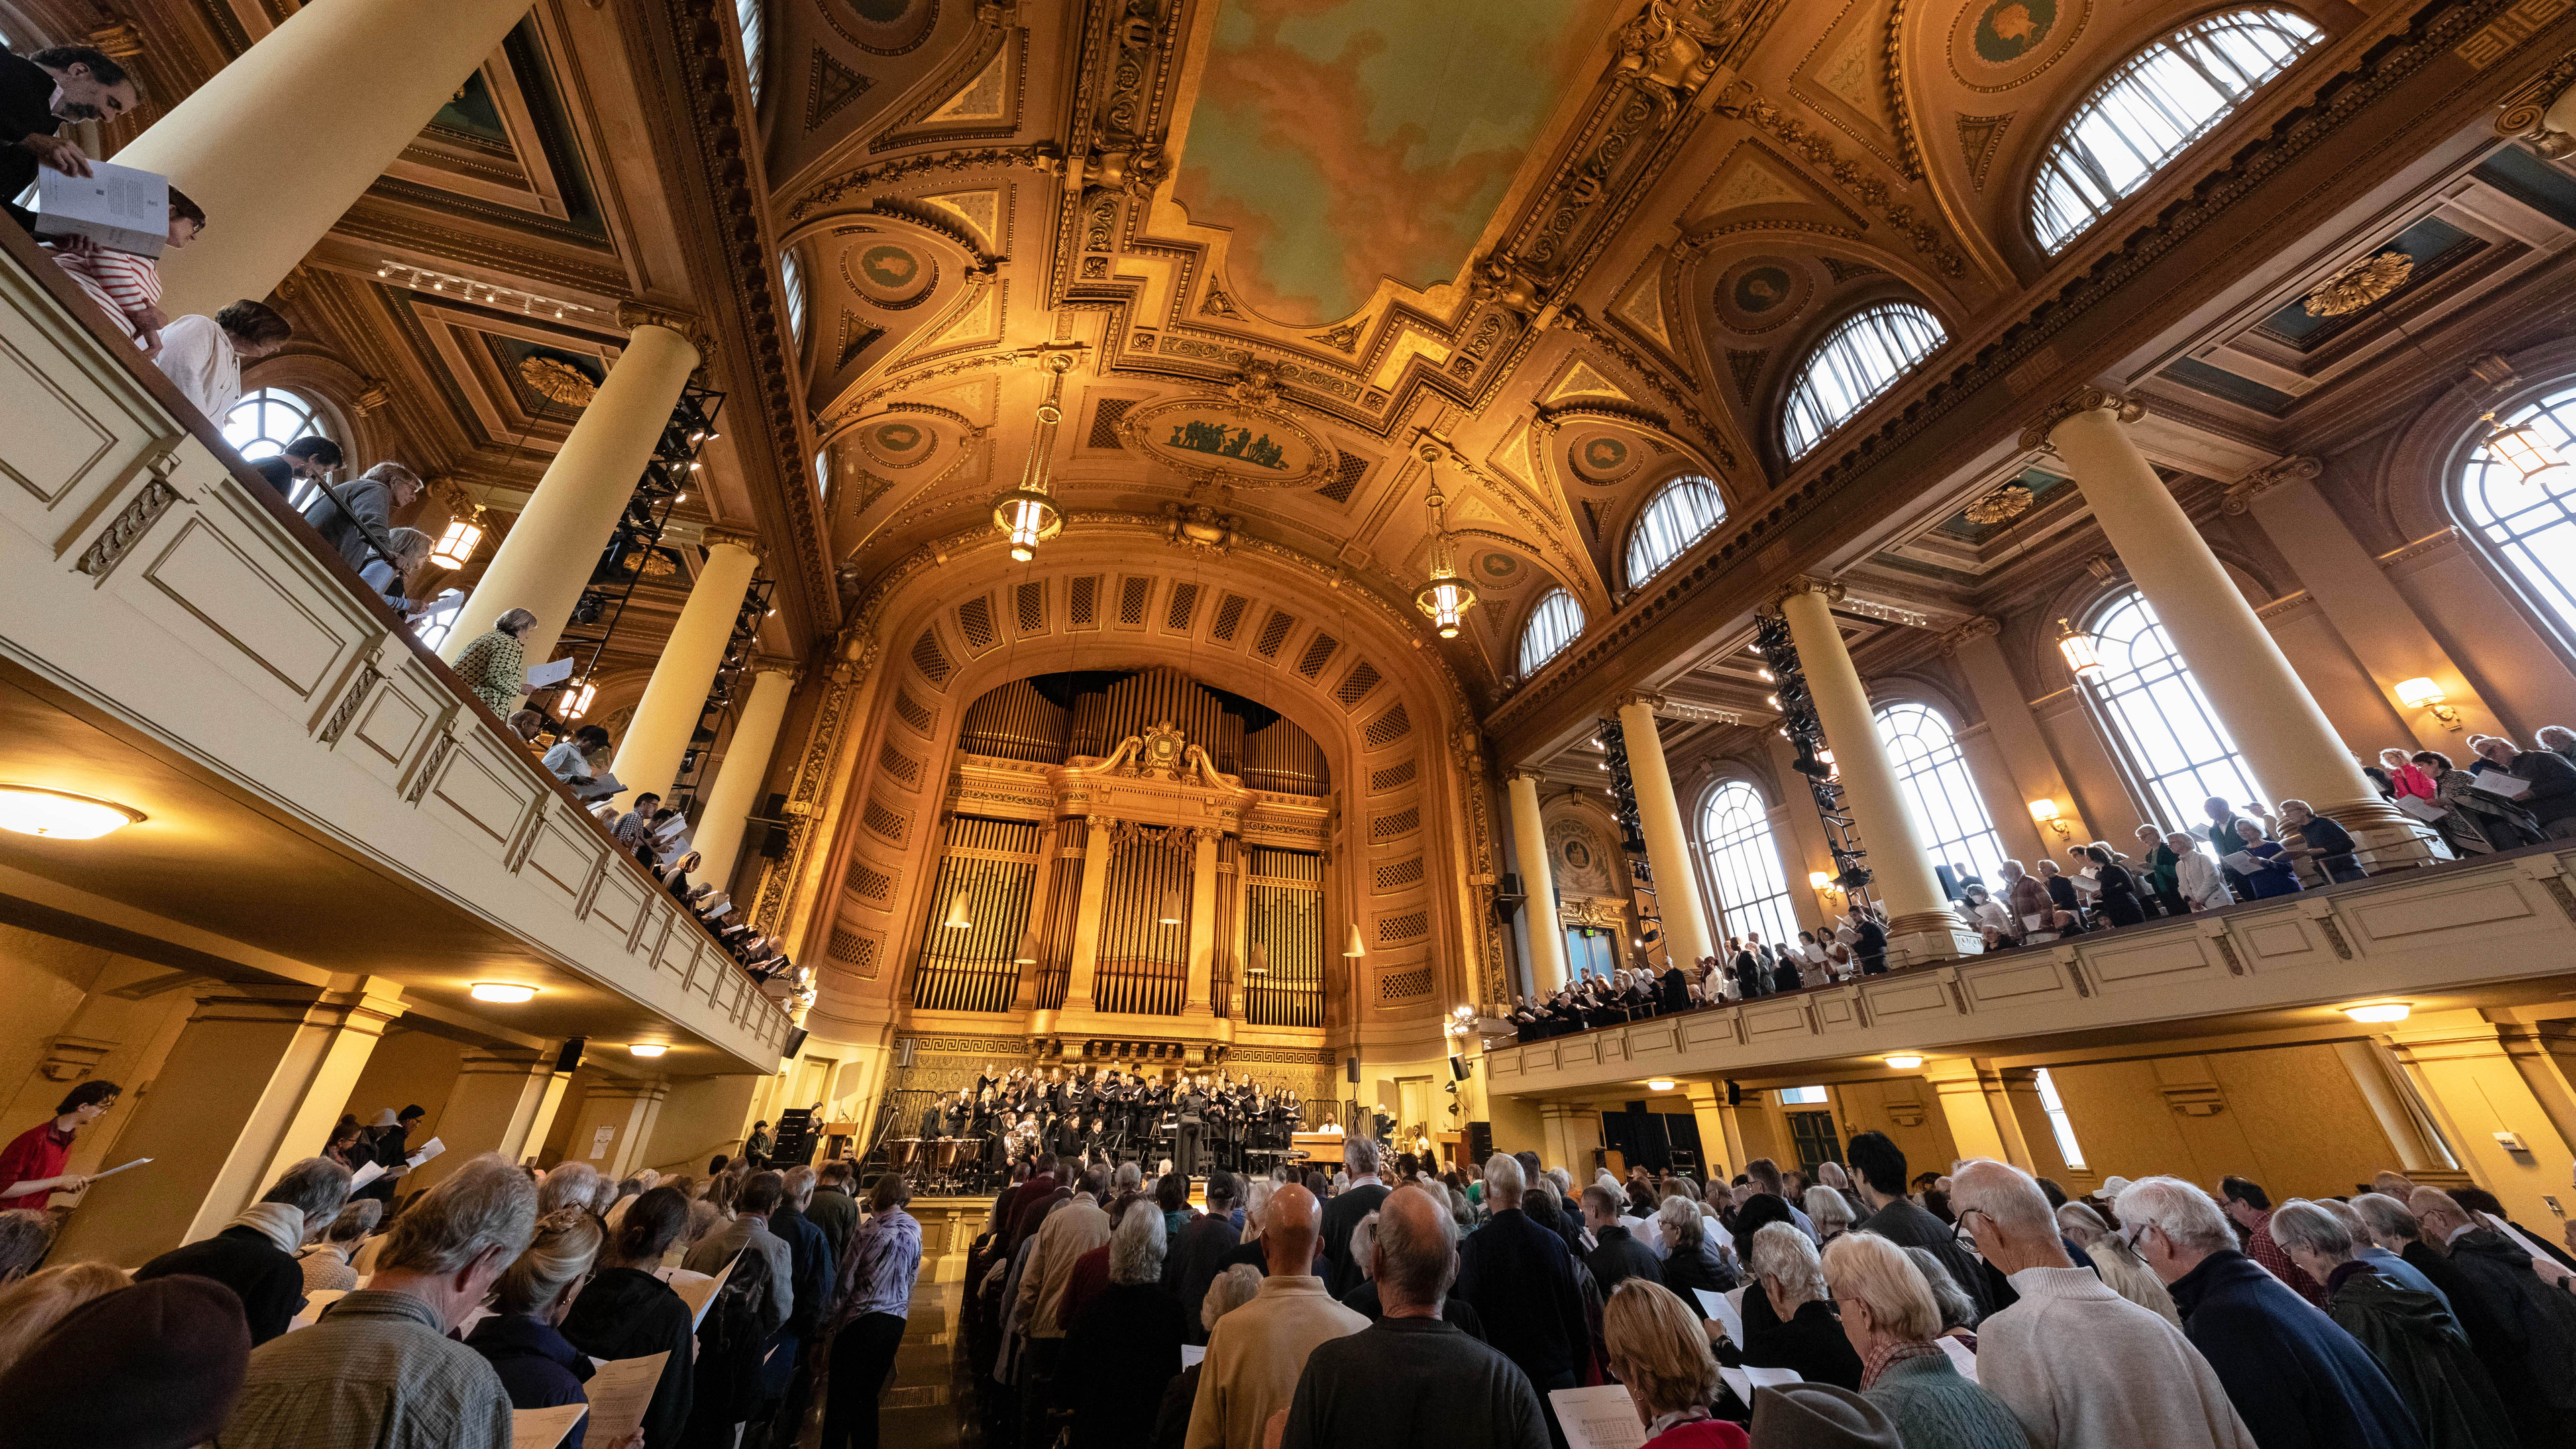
[(2084, 1368), (1406, 1381), (1936, 1407), (1256, 1355), (2298, 1381)]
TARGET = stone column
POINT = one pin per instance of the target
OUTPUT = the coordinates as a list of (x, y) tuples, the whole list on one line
[(1668, 847), (361, 76), (256, 1080), (2387, 636), (1721, 1137), (2031, 769), (1919, 920), (675, 698), (1538, 882), (743, 770), (1086, 916), (1202, 956), (2286, 740), (553, 545), (1974, 1101), (492, 1108)]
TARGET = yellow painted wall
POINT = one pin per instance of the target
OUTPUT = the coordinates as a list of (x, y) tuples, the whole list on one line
[(2290, 1118), (55, 987), (702, 1116), (1906, 1110)]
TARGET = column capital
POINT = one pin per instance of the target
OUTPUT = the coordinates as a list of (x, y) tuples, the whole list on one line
[(1808, 584), (2034, 436), (743, 539), (632, 315), (2242, 493), (1647, 697), (778, 664), (1980, 627), (1524, 772)]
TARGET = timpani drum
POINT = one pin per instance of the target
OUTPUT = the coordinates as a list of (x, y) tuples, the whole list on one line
[(902, 1153), (944, 1153)]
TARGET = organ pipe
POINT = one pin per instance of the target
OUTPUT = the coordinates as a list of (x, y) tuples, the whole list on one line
[(1282, 758), (1144, 963), (1064, 903), (1015, 722), (975, 969), (1284, 897)]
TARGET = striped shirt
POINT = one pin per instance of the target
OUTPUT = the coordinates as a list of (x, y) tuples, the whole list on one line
[(877, 1275), (124, 283), (375, 1373)]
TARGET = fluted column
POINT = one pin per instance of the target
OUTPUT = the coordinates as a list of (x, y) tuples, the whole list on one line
[(2293, 751), (278, 144), (675, 698), (554, 544), (1538, 881), (743, 770), (1668, 850), (1202, 957), (1919, 920)]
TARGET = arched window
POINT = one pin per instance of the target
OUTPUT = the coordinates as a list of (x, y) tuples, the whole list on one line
[(792, 272), (1854, 364), (1555, 623), (2167, 735), (1744, 863), (1680, 514), (746, 14), (2158, 102), (2531, 526), (264, 422), (1938, 790)]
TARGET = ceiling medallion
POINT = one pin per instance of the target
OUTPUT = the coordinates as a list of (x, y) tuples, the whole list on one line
[(2002, 506), (2359, 285), (557, 381), (1242, 439)]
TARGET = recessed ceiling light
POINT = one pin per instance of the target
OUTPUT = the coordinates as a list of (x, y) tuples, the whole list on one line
[(1660, 1084), (58, 815), (2380, 1011), (646, 1048), (1905, 1061), (504, 991)]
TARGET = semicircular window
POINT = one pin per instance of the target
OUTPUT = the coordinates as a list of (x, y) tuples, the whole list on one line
[(1856, 362), (2159, 101), (1680, 514), (1554, 624)]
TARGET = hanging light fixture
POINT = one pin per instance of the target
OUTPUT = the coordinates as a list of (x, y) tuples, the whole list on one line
[(1446, 598), (2077, 646), (578, 702), (958, 920), (456, 546), (1356, 949), (2521, 448), (1027, 515)]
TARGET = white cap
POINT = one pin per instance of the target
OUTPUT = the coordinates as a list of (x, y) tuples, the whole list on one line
[(2111, 1186)]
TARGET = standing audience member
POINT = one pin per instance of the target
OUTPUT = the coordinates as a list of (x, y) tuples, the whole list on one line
[(1192, 1260), (1256, 1353), (155, 1366), (2118, 1264), (2382, 1229), (2272, 873), (2160, 878), (833, 1208), (379, 1369), (2295, 1378), (31, 1166), (309, 459), (1790, 1324), (626, 1311), (539, 1368), (2223, 841), (1656, 1345), (2078, 1364), (40, 91), (1344, 1211), (127, 285), (410, 547), (203, 356), (2479, 822), (875, 1303), (2197, 877), (1232, 1289), (749, 1232), (1893, 1322), (2324, 846), (787, 1363), (254, 1255), (1878, 1175), (1519, 1277), (326, 1261), (495, 668), (1620, 1256), (1125, 1346), (2522, 1329), (2412, 1337), (1692, 1261), (2250, 1207), (2552, 797), (1412, 1356)]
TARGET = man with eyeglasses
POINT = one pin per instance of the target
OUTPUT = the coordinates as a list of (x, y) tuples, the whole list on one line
[(2078, 1364), (2522, 1330)]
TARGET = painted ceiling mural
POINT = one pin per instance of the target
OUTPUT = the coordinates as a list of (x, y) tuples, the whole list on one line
[(1342, 141)]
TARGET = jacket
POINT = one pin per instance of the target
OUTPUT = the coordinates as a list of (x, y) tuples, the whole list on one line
[(2197, 879), (1122, 1352), (750, 1230), (1810, 1341), (2522, 1330), (2297, 1380), (536, 1364), (1620, 1258), (1520, 1279), (241, 1257), (354, 517), (2553, 785), (809, 1256), (2422, 1349), (629, 1313)]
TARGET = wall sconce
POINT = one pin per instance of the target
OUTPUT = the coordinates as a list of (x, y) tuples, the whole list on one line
[(2044, 812), (2425, 694), (1819, 882)]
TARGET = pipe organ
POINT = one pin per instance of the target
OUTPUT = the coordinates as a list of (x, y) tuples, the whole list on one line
[(1102, 858)]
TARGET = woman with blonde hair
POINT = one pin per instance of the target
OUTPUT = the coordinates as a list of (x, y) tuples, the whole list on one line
[(1891, 1321), (538, 1368), (1657, 1346), (34, 1304), (2115, 1262)]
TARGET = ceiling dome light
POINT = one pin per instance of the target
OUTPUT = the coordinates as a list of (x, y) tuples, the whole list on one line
[(2380, 1011), (60, 815), (503, 991), (646, 1048), (1905, 1061)]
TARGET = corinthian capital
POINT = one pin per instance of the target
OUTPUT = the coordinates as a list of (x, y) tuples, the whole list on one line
[(631, 315), (2083, 400), (1808, 584)]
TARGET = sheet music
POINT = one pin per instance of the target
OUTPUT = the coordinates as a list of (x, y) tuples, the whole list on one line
[(547, 676), (1723, 1311), (1745, 1380), (315, 1300), (428, 1150), (1598, 1418), (544, 1428), (698, 1290), (1191, 1353), (619, 1394), (366, 1174), (1962, 1357), (2241, 861)]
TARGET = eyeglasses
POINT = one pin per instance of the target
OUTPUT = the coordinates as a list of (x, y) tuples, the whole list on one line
[(1962, 1236)]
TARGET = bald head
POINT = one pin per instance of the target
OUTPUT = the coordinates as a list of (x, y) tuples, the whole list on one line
[(2437, 1216), (2014, 1226), (1289, 1227), (1414, 1255)]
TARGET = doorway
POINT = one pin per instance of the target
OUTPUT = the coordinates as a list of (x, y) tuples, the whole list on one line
[(1812, 1137)]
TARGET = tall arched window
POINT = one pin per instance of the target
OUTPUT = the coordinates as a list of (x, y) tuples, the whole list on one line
[(2158, 102), (1680, 514), (1743, 863), (1554, 624), (1856, 362), (2532, 526), (264, 422), (2172, 742), (1938, 790), (747, 14), (792, 273)]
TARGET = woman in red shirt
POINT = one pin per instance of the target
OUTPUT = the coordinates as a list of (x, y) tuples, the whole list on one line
[(31, 1166)]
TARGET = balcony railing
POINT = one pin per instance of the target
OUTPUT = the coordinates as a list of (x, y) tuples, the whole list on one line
[(147, 578)]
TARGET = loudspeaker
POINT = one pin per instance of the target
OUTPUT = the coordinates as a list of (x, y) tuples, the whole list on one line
[(570, 1057), (1480, 1142), (1734, 1094), (1458, 1069), (1352, 1069), (904, 1047), (795, 1044)]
